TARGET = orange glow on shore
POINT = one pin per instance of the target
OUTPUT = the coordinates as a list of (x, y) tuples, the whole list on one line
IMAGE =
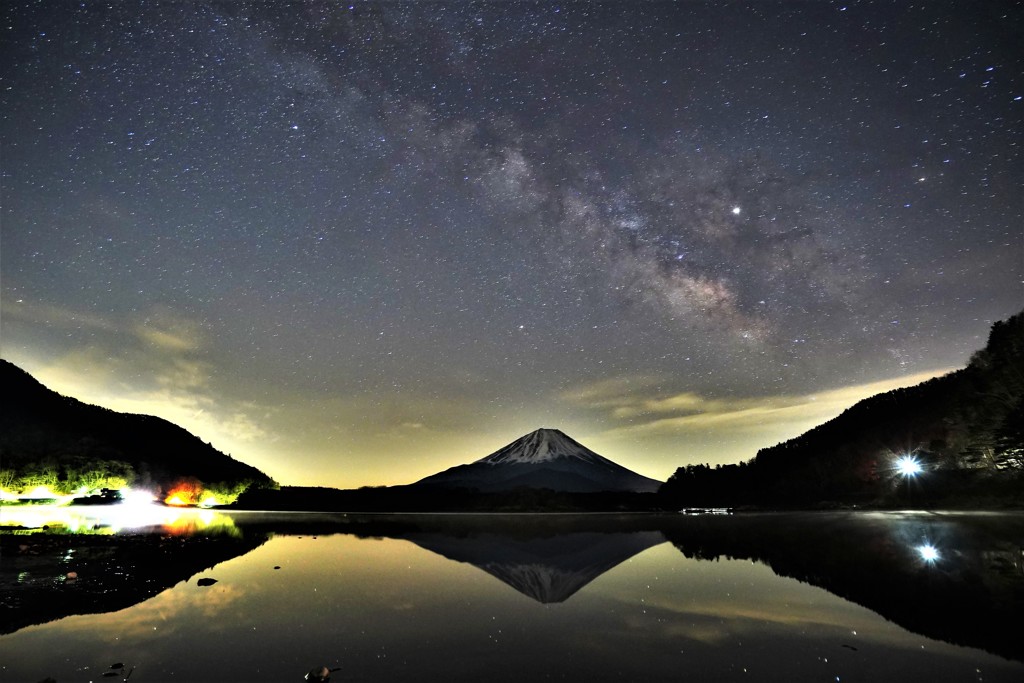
[(188, 497), (186, 492)]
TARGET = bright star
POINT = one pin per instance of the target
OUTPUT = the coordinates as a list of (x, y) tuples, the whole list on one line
[(736, 211)]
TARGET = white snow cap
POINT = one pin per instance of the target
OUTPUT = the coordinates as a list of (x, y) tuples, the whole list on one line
[(542, 445)]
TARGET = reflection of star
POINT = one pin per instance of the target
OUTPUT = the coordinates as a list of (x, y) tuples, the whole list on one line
[(736, 211)]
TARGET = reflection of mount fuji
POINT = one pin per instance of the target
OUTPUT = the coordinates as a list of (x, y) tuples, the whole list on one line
[(547, 569)]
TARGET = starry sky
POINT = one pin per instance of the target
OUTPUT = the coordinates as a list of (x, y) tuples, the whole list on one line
[(355, 243)]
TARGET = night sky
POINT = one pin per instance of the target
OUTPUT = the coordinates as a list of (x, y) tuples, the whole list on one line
[(357, 243)]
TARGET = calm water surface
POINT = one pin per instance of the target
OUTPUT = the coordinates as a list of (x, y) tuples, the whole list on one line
[(411, 598)]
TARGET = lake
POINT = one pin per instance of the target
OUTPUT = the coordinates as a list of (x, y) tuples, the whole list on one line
[(747, 597)]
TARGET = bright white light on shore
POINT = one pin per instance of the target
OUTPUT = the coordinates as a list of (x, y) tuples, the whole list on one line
[(928, 552), (40, 493), (908, 466), (136, 497)]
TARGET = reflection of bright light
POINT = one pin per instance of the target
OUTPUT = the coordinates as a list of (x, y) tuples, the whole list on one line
[(39, 516), (107, 519), (928, 552), (908, 466)]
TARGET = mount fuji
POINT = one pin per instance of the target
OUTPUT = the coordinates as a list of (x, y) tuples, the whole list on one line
[(543, 459)]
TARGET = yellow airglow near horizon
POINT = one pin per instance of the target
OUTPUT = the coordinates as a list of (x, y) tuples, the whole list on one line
[(298, 441)]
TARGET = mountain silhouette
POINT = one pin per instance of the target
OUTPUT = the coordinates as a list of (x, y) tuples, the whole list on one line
[(543, 459), (42, 431), (964, 431)]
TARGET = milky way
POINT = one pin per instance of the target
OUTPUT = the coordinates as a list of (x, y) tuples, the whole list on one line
[(358, 243)]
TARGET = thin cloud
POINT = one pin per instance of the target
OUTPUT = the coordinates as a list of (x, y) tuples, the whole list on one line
[(689, 413), (60, 317)]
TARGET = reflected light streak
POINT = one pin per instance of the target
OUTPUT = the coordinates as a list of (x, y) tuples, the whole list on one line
[(111, 519)]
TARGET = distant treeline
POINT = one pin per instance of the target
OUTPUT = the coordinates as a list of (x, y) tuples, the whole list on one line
[(429, 499), (67, 475)]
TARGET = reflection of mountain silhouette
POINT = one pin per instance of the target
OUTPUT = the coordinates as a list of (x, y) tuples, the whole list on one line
[(547, 557), (113, 572), (547, 569), (967, 596)]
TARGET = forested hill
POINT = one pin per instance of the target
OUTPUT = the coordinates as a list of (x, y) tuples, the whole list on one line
[(60, 442), (965, 429)]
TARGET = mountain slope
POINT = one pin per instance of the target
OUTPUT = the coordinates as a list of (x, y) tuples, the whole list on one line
[(46, 438), (963, 429), (543, 459)]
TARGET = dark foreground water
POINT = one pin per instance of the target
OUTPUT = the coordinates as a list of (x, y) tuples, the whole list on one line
[(767, 597)]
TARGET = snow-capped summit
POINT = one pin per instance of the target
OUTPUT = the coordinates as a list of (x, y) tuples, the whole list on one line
[(543, 445), (543, 459)]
